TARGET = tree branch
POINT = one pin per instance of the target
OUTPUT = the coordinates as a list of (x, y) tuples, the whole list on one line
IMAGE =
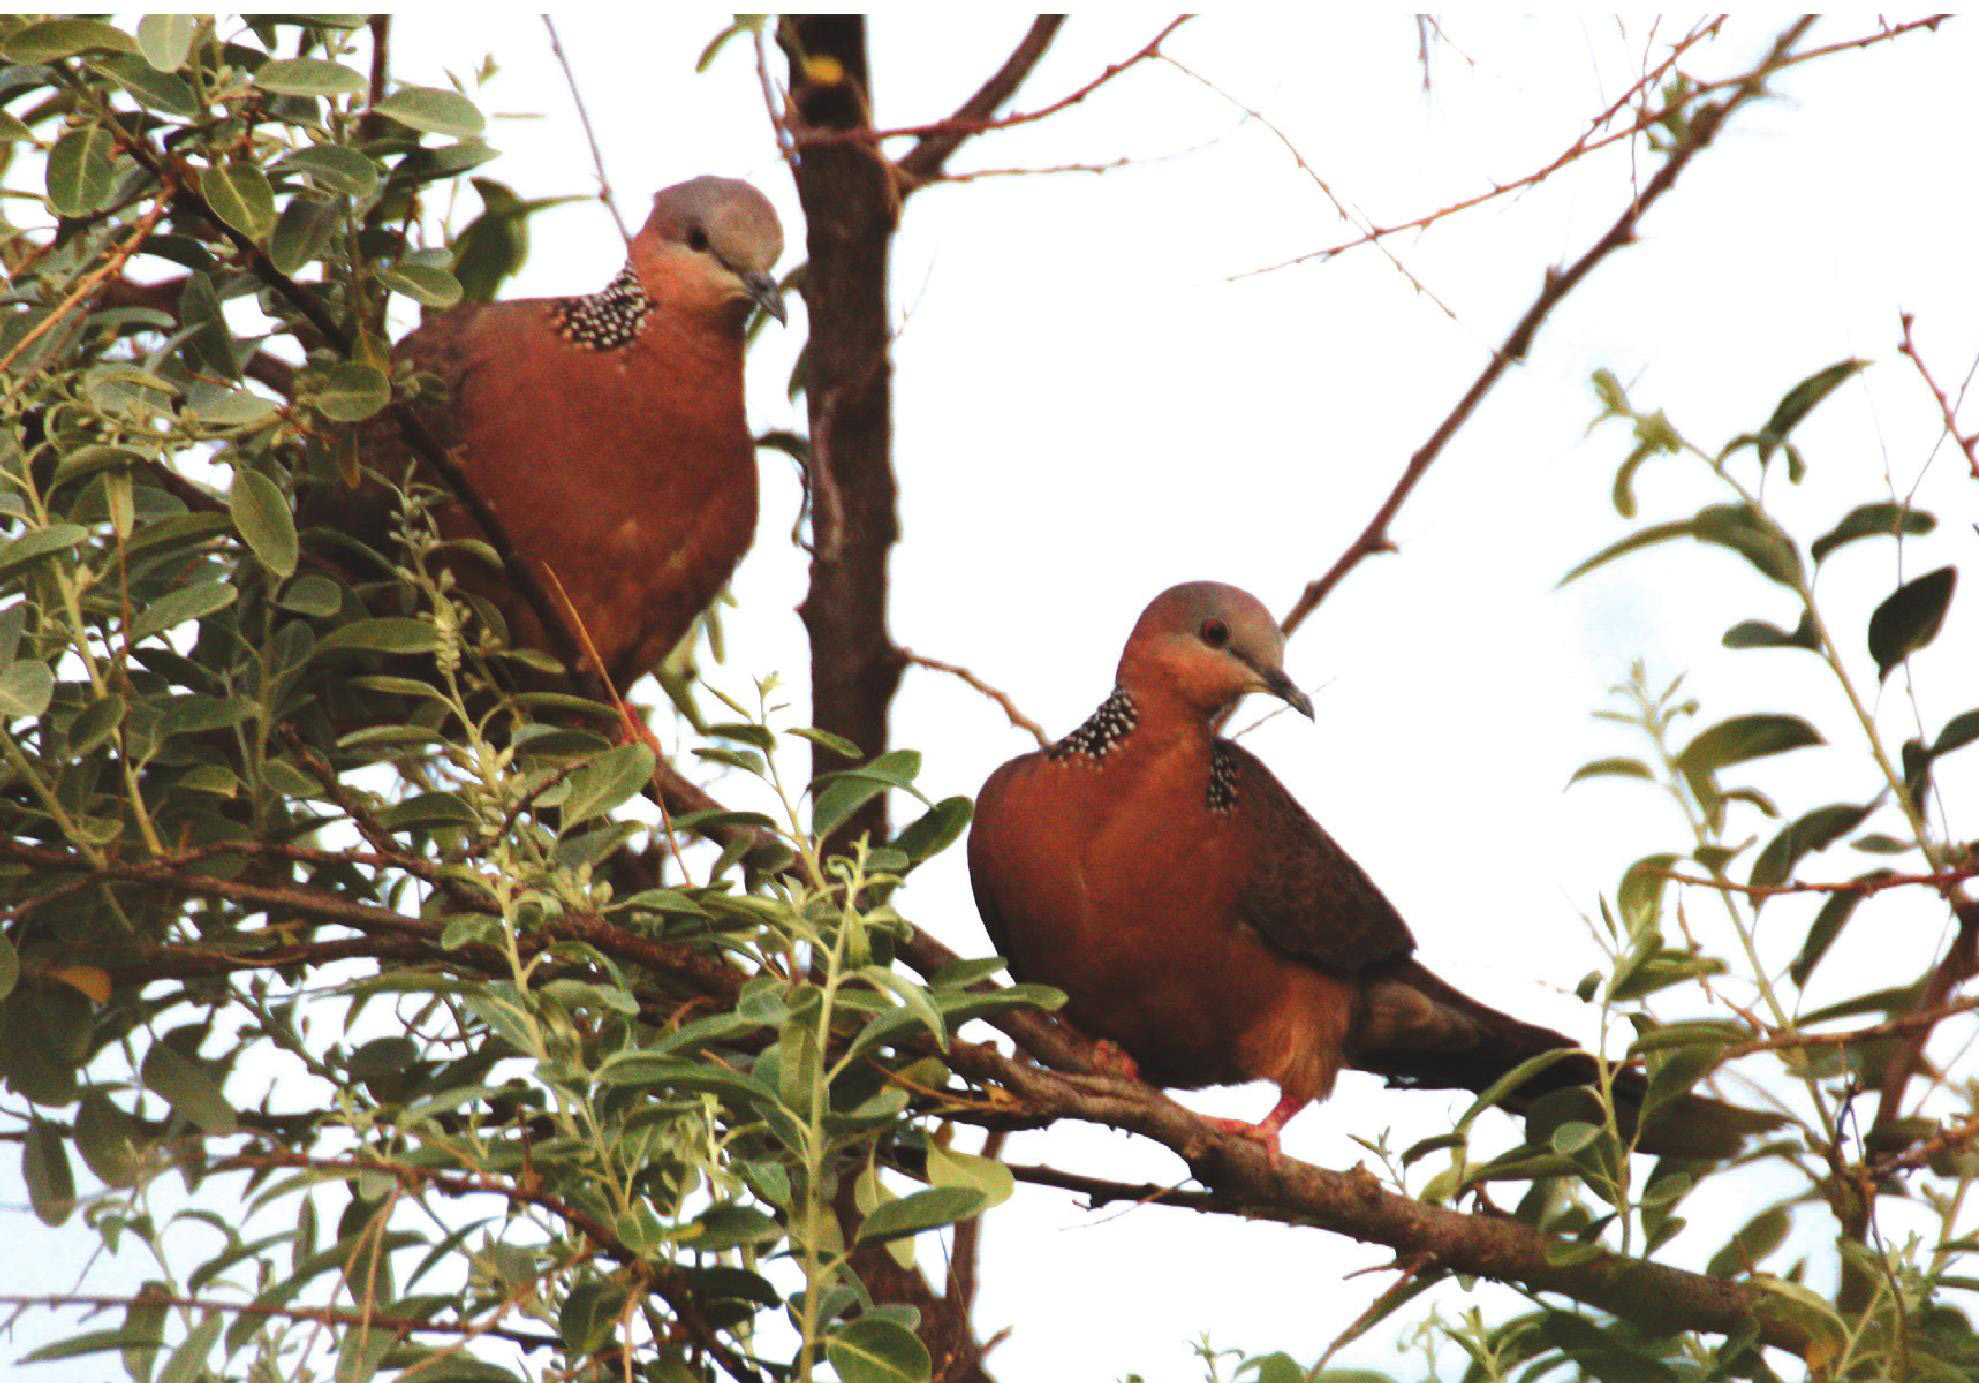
[(1239, 1178), (925, 161), (1703, 127)]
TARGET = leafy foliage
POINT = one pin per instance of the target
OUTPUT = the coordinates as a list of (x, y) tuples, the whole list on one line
[(313, 890)]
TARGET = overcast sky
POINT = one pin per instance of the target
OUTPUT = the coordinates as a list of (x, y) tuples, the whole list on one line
[(1096, 398)]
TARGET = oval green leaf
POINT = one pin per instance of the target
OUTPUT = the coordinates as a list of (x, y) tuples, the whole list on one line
[(186, 1086), (64, 38), (423, 283), (335, 168), (1745, 737), (166, 39), (51, 1185), (433, 110), (386, 634), (261, 515), (873, 1349), (240, 195), (25, 690), (605, 782), (30, 548), (351, 392), (1910, 618), (81, 176), (174, 608), (919, 1212), (308, 77)]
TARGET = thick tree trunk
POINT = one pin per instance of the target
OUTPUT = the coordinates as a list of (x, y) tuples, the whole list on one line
[(851, 208)]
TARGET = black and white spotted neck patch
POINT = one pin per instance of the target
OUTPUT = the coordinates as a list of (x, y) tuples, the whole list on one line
[(1103, 730), (608, 319), (1222, 794)]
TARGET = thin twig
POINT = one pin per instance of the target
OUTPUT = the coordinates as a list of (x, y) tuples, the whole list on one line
[(814, 138), (1346, 213), (1874, 883), (1587, 145), (87, 284), (590, 135), (1017, 717), (1584, 145), (1703, 127), (325, 1315), (1967, 443), (925, 161)]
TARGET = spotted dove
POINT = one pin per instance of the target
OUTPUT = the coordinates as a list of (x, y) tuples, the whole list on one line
[(607, 432), (1203, 925)]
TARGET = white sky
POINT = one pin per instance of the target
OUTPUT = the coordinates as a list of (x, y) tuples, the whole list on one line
[(1089, 408)]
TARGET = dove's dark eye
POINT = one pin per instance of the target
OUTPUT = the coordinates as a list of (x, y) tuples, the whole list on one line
[(1215, 633), (697, 238)]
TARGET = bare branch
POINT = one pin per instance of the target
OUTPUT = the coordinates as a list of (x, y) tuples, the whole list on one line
[(325, 1315), (1588, 144), (1002, 699), (1244, 1180), (815, 138), (1967, 443), (590, 135), (924, 162), (1703, 127)]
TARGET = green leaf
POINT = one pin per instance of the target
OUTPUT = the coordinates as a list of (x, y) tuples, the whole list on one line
[(335, 168), (1743, 738), (209, 344), (1821, 933), (91, 1342), (42, 542), (64, 38), (1815, 831), (81, 175), (385, 634), (1873, 521), (1611, 768), (433, 110), (948, 1167), (874, 1349), (240, 195), (1757, 1238), (303, 232), (310, 594), (1959, 731), (10, 967), (51, 1185), (825, 739), (1746, 531), (174, 608), (350, 392), (937, 829), (188, 1361), (1910, 618), (919, 1212), (261, 514), (160, 91), (589, 1313), (1498, 1089), (839, 799), (308, 77), (1738, 527), (25, 690), (1757, 633), (166, 39), (423, 283), (107, 1139), (605, 782), (185, 1085), (1803, 398)]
